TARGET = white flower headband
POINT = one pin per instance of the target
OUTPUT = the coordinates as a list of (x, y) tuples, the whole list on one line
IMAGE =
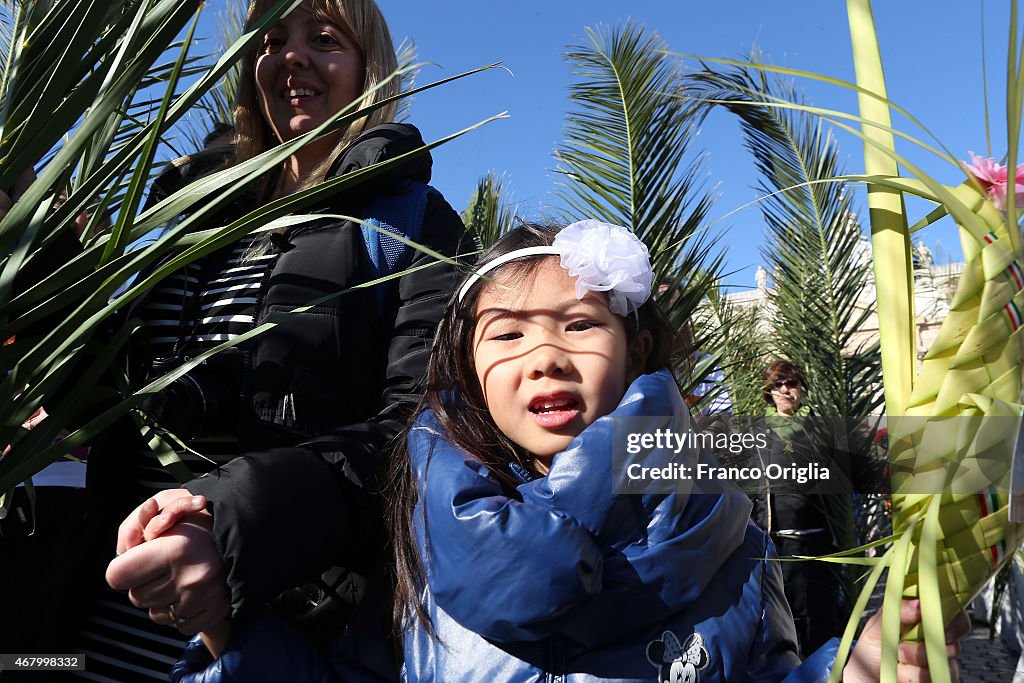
[(602, 258)]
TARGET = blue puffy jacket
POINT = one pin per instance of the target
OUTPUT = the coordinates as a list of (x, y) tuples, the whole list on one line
[(568, 581)]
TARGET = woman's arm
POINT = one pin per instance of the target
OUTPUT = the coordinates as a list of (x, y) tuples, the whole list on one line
[(324, 483)]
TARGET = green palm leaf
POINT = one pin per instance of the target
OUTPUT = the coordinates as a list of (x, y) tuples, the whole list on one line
[(624, 159), (955, 530), (734, 333), (488, 215), (814, 251), (220, 100), (98, 141), (8, 12), (406, 55)]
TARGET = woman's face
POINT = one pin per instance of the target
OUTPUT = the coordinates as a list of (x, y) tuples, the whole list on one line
[(787, 394), (306, 71)]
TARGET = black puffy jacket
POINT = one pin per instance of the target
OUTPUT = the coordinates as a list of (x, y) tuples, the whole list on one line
[(329, 388)]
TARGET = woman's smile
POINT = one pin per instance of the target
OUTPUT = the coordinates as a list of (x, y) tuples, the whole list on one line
[(307, 71)]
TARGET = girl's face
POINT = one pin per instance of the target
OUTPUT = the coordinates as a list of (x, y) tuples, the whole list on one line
[(549, 364), (307, 70)]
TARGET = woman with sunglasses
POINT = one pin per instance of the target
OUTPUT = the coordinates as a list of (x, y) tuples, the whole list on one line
[(784, 387), (802, 522)]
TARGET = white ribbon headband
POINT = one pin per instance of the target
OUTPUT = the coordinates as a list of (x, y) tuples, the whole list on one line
[(602, 258), (502, 260)]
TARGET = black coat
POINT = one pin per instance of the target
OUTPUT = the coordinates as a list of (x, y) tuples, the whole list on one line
[(329, 388)]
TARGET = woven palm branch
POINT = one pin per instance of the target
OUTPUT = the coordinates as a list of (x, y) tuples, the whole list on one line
[(951, 455), (954, 424)]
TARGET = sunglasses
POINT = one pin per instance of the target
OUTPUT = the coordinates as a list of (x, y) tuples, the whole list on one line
[(788, 383)]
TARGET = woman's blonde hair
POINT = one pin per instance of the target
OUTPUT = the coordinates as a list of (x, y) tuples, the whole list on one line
[(363, 23)]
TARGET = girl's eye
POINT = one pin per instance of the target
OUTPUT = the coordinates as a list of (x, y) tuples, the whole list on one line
[(582, 325), (271, 43), (323, 39), (507, 336)]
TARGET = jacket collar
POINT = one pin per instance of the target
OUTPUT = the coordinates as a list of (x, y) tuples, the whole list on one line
[(383, 143)]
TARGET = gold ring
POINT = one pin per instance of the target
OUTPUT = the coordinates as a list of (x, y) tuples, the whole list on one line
[(174, 617)]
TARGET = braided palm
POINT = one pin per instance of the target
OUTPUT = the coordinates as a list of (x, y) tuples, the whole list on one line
[(953, 425), (961, 467)]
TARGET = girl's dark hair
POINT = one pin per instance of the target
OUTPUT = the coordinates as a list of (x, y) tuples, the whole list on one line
[(454, 394), (779, 371)]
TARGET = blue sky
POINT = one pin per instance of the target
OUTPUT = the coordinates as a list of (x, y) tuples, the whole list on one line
[(931, 50)]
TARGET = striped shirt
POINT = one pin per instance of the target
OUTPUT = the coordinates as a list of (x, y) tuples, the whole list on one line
[(210, 301), (184, 319)]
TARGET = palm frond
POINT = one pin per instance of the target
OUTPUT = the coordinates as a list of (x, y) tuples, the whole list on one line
[(406, 55), (218, 104), (815, 250), (8, 14), (624, 159), (488, 215), (737, 335), (98, 142)]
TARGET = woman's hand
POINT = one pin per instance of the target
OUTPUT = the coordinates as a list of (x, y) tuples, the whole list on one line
[(866, 659), (177, 574)]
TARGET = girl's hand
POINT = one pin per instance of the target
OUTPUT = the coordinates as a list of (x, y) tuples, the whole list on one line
[(176, 503), (866, 659), (186, 574), (179, 509), (216, 638)]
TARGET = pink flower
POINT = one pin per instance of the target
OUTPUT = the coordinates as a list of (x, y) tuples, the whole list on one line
[(993, 179)]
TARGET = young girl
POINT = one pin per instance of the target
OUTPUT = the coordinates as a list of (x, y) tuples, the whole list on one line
[(516, 561)]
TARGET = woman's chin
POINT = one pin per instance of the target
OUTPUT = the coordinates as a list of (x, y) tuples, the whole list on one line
[(297, 127), (302, 126)]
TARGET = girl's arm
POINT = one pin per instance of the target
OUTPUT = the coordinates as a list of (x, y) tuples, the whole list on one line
[(501, 568), (216, 638), (263, 649)]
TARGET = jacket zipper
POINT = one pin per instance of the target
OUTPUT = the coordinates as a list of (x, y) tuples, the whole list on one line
[(556, 659)]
